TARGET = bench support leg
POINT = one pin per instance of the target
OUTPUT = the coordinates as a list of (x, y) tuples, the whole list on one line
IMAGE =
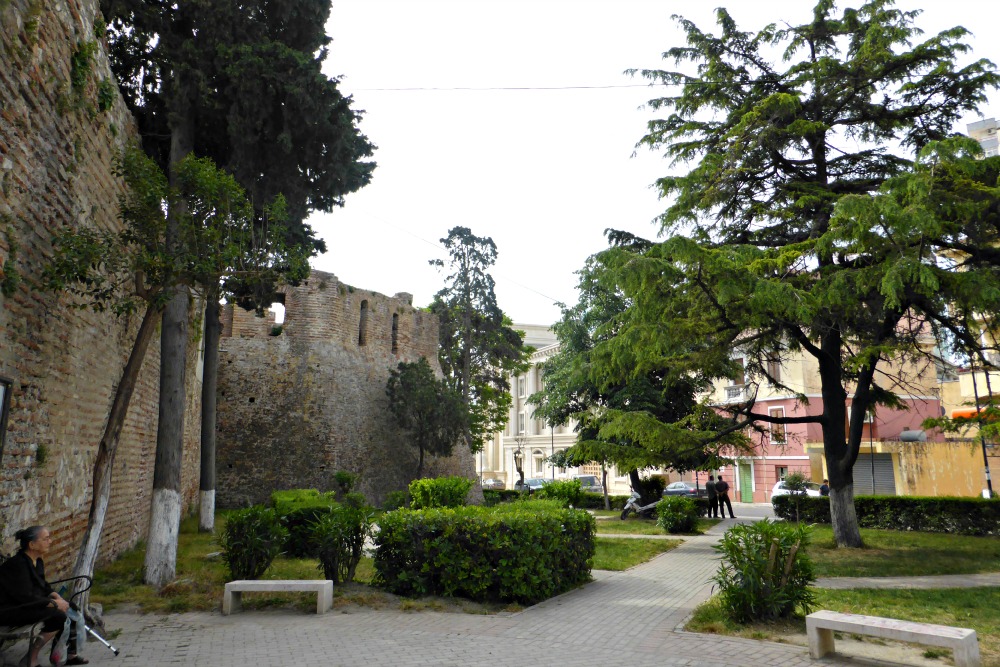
[(967, 655), (232, 602), (820, 642), (324, 599)]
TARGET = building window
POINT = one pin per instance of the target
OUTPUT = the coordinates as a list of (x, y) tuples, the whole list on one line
[(539, 461), (363, 325), (521, 382), (741, 374), (781, 472), (5, 385), (774, 370), (777, 430), (520, 422), (395, 333)]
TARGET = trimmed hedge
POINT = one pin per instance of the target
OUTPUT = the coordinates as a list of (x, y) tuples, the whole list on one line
[(298, 510), (439, 492), (677, 514), (965, 516), (515, 552), (588, 501)]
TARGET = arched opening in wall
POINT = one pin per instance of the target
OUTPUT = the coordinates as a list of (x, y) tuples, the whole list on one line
[(395, 333), (363, 325)]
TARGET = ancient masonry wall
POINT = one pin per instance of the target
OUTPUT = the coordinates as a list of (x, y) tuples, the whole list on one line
[(294, 408), (56, 156)]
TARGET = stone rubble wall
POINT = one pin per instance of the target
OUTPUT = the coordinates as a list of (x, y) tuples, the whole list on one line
[(295, 408), (56, 156)]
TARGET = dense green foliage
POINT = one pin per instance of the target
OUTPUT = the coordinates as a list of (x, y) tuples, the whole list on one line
[(337, 537), (756, 267), (251, 539), (645, 420), (519, 552), (765, 573), (478, 348), (428, 493), (298, 510), (677, 514), (567, 491), (428, 409), (965, 516)]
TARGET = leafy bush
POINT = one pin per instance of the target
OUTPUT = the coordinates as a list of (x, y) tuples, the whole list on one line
[(764, 573), (439, 492), (677, 514), (965, 516), (338, 537), (704, 509), (345, 482), (396, 499), (568, 491), (298, 510), (651, 487), (522, 552), (251, 540)]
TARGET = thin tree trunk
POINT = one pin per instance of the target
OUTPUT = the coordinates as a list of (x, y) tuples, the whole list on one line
[(165, 512), (604, 484), (420, 464), (108, 447), (210, 377)]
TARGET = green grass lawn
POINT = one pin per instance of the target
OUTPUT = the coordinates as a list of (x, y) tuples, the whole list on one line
[(890, 553), (621, 553)]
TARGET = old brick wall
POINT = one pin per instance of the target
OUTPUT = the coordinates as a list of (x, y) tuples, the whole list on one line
[(295, 408), (56, 154)]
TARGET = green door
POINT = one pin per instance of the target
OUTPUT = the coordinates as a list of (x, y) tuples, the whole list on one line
[(746, 483)]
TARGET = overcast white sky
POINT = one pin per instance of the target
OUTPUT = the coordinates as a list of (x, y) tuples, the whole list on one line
[(542, 172)]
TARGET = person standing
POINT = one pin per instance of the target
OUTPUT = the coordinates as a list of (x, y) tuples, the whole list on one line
[(713, 497), (824, 489), (722, 489)]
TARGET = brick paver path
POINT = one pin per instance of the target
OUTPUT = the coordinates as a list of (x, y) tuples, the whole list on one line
[(622, 618)]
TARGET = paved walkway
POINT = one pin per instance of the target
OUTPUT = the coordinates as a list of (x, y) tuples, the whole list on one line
[(622, 618)]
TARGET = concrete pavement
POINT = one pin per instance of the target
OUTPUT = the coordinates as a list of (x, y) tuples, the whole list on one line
[(629, 618)]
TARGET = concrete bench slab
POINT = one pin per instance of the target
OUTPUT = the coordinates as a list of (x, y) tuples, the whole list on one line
[(821, 625), (231, 599)]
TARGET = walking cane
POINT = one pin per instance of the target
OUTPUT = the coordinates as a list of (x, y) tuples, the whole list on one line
[(100, 639)]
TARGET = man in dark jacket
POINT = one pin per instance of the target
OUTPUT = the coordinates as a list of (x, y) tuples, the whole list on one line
[(722, 488), (713, 497)]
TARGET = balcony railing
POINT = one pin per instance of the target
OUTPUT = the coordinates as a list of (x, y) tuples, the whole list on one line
[(736, 392)]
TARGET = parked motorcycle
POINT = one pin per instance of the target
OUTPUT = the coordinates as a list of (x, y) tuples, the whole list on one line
[(632, 505)]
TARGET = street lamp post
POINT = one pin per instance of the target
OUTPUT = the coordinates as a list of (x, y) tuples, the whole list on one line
[(518, 465)]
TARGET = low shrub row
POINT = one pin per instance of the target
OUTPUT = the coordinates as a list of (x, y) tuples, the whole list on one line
[(516, 552), (586, 500), (966, 516)]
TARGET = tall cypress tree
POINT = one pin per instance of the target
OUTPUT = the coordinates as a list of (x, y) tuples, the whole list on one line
[(240, 83)]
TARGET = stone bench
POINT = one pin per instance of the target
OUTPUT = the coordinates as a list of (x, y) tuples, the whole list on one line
[(323, 588), (821, 625)]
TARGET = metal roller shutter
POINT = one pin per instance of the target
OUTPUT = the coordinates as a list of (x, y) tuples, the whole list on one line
[(885, 479)]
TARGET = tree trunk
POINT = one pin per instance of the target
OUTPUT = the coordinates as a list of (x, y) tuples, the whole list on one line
[(165, 512), (210, 377), (108, 447), (839, 455), (420, 464), (845, 521), (604, 485)]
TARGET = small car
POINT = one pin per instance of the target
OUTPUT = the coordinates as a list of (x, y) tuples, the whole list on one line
[(532, 484), (590, 483), (494, 484), (689, 489), (812, 489)]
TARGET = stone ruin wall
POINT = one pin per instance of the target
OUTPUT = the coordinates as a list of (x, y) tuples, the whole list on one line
[(56, 156), (296, 407)]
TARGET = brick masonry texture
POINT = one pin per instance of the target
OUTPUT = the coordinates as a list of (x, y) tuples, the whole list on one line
[(295, 408), (56, 158)]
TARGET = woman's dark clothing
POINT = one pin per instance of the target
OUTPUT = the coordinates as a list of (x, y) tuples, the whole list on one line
[(24, 595)]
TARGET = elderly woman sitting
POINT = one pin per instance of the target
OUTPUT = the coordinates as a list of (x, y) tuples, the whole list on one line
[(26, 597)]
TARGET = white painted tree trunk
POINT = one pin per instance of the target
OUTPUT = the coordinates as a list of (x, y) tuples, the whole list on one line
[(843, 517), (161, 546), (206, 514)]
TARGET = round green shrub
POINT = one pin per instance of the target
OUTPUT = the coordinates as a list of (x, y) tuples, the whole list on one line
[(677, 514), (251, 540), (568, 491)]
